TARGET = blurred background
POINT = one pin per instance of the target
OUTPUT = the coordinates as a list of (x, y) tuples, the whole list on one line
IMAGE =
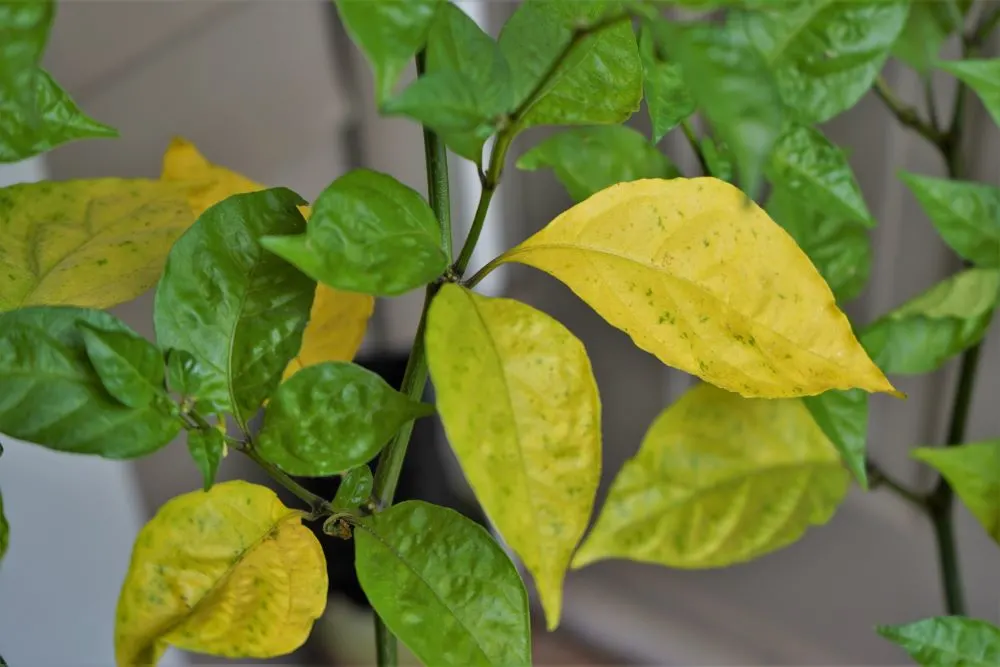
[(274, 89)]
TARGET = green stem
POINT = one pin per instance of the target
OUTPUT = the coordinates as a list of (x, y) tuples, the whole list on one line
[(906, 114), (695, 146), (318, 506), (879, 478), (435, 153), (982, 32)]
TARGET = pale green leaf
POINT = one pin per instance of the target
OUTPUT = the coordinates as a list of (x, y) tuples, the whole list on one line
[(928, 25), (843, 418), (973, 471), (983, 76), (947, 641)]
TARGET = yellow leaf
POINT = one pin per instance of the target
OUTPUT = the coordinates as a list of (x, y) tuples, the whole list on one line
[(708, 283), (719, 480), (520, 406), (339, 319), (229, 572), (93, 244)]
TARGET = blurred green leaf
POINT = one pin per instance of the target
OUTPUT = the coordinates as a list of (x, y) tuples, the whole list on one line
[(718, 159), (843, 417), (206, 448), (928, 25), (947, 641), (130, 367), (973, 471), (667, 98), (983, 76)]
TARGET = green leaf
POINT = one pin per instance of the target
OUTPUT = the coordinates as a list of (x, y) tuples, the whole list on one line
[(966, 215), (24, 29), (924, 333), (4, 533), (973, 471), (826, 53), (843, 418), (718, 160), (516, 393), (355, 488), (467, 86), (735, 90), (983, 76), (947, 641), (444, 587), (239, 310), (667, 98), (805, 163), (331, 417), (51, 395), (927, 27), (368, 233), (839, 249), (389, 32), (192, 380), (589, 159), (207, 447), (130, 367), (718, 480), (599, 82)]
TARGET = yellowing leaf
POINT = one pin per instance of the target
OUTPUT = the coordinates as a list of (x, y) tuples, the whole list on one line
[(702, 278), (520, 406), (719, 480), (229, 572), (339, 319), (94, 244)]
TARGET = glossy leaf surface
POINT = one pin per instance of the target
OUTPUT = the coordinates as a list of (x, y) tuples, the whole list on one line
[(516, 393), (973, 471), (704, 280), (947, 641), (719, 480), (332, 417), (925, 332), (239, 310), (667, 98), (444, 587), (193, 380), (983, 76), (129, 366), (588, 159), (368, 233), (50, 393), (207, 447), (843, 418), (355, 488), (92, 243), (231, 572)]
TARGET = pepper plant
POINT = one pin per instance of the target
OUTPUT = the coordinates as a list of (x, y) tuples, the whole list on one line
[(263, 300)]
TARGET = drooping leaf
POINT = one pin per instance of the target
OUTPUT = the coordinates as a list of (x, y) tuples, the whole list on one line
[(51, 395), (825, 53), (588, 159), (947, 641), (839, 249), (368, 233), (231, 572), (467, 86), (843, 418), (667, 98), (735, 90), (719, 480), (809, 166), (207, 447), (338, 320), (701, 277), (92, 243), (355, 488), (4, 531), (331, 417), (925, 332), (238, 309), (927, 27), (966, 215), (389, 32), (516, 393), (444, 587), (193, 380), (973, 471), (129, 366), (983, 76), (598, 83)]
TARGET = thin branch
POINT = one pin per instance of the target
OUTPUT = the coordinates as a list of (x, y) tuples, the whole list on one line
[(692, 138), (317, 505), (906, 114), (878, 478), (982, 32)]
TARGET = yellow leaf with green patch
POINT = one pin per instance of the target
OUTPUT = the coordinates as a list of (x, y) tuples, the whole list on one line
[(229, 572), (94, 243), (520, 406), (718, 480), (339, 319), (703, 279)]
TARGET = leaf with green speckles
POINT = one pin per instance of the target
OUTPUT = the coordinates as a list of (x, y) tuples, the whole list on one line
[(702, 278), (332, 417), (516, 393), (927, 331), (207, 447), (355, 488), (51, 394), (444, 587), (94, 243), (947, 641), (130, 367), (238, 309), (229, 572), (719, 480), (973, 471), (4, 531)]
